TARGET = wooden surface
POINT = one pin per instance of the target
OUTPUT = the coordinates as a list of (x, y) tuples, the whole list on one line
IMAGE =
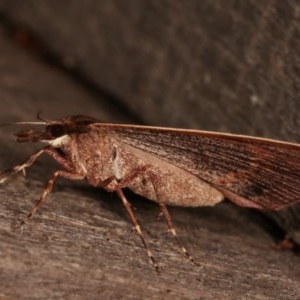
[(80, 244)]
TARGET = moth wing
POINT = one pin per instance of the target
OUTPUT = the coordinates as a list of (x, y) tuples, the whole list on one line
[(249, 171)]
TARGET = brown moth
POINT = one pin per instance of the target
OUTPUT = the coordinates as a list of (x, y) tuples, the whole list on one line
[(169, 166)]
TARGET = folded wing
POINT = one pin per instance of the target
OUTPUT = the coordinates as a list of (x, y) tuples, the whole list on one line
[(251, 172)]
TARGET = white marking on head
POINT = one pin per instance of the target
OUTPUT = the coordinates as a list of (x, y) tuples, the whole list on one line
[(58, 142)]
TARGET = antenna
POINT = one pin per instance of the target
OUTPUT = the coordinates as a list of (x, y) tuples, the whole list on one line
[(24, 123)]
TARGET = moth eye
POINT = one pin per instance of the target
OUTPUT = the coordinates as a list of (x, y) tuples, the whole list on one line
[(55, 130)]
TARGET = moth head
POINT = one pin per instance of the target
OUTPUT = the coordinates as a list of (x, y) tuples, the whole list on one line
[(55, 132)]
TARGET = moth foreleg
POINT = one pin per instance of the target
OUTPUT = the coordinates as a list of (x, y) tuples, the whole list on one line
[(49, 186), (136, 225), (16, 169), (4, 175)]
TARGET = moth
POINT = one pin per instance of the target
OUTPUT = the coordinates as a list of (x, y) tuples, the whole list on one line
[(170, 166)]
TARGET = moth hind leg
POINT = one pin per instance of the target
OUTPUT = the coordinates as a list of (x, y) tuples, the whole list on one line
[(168, 219), (142, 171), (172, 231)]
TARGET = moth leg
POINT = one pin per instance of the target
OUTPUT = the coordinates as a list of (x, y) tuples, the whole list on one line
[(136, 225), (16, 169), (106, 182), (49, 186), (136, 173), (168, 219), (286, 244), (48, 150), (172, 230)]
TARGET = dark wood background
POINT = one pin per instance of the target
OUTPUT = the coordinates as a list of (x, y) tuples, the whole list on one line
[(219, 65)]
